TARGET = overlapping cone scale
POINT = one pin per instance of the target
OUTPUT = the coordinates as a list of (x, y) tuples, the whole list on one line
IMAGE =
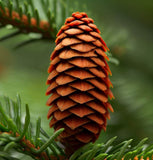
[(78, 82)]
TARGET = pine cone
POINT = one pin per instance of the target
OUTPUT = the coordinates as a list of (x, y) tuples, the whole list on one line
[(79, 84)]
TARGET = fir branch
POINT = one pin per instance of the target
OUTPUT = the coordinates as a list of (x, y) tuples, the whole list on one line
[(47, 143), (12, 136), (27, 122), (37, 150), (26, 23), (123, 151), (27, 18)]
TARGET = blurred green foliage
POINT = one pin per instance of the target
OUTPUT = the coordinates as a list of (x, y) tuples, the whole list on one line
[(126, 27)]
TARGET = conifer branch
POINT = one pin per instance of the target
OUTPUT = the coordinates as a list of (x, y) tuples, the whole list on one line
[(15, 137), (26, 22), (12, 139)]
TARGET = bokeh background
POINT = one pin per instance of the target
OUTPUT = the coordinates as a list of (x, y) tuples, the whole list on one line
[(127, 28)]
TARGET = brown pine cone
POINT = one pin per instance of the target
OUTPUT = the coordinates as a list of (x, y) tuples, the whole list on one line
[(78, 83)]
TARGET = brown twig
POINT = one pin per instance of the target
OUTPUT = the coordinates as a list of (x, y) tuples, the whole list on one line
[(26, 26)]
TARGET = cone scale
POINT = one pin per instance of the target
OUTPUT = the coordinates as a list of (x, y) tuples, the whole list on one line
[(78, 83)]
